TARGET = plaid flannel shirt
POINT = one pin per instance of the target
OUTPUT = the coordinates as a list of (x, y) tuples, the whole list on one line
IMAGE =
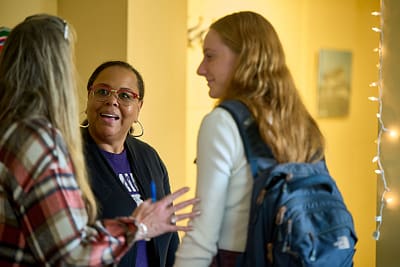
[(43, 220)]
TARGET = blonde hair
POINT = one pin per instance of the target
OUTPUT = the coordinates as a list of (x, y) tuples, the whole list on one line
[(263, 81), (37, 79)]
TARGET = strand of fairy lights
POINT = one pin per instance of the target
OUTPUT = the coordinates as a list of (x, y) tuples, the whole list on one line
[(382, 129)]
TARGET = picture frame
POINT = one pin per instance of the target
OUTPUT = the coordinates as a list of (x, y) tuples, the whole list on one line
[(334, 82)]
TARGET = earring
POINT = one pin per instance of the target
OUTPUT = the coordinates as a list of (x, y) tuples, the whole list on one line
[(132, 130), (84, 124)]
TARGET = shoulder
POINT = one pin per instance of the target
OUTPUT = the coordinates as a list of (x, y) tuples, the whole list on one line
[(218, 115), (219, 136), (139, 144), (144, 153), (32, 143), (141, 148), (34, 132), (219, 122)]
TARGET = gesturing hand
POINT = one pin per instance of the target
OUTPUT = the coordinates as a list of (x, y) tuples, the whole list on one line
[(160, 217)]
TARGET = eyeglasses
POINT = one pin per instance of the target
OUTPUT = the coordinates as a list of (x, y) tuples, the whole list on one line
[(101, 92)]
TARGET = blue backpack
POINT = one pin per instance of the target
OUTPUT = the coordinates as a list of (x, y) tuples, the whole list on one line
[(297, 216)]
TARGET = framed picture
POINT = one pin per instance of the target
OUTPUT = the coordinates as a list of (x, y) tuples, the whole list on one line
[(334, 83)]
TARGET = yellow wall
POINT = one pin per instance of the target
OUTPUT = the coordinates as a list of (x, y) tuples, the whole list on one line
[(157, 46), (305, 27), (152, 36), (101, 31), (13, 12)]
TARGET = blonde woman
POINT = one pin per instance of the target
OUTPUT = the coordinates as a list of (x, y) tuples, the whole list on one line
[(47, 210), (244, 60)]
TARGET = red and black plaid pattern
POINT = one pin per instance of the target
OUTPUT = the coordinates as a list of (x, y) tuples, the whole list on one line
[(43, 220)]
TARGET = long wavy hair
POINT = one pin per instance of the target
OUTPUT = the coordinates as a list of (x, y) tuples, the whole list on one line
[(263, 81), (37, 80)]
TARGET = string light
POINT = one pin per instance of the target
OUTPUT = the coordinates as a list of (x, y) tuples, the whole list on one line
[(393, 134), (382, 129), (374, 84), (376, 29), (391, 200)]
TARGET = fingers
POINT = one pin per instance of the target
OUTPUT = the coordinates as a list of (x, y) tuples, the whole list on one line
[(183, 216), (160, 217), (171, 197), (181, 228), (174, 218), (179, 217), (184, 204), (173, 227), (190, 215)]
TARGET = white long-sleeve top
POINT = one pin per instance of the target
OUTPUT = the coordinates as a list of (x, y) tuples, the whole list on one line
[(224, 185)]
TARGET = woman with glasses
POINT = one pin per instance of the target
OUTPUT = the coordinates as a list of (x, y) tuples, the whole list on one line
[(124, 170), (47, 209)]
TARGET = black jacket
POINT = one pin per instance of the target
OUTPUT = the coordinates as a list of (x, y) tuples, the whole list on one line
[(114, 199)]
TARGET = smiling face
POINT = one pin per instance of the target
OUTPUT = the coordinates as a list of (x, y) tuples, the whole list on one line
[(110, 119), (217, 65)]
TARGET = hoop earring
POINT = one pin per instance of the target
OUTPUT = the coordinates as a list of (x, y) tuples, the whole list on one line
[(84, 125), (132, 131)]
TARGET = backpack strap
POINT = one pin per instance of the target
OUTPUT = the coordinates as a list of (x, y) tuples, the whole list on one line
[(255, 148)]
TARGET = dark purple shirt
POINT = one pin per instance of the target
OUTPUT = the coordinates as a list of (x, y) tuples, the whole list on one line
[(120, 165)]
